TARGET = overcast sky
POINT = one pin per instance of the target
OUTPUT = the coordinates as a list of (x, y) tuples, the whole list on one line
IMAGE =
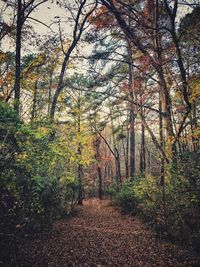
[(45, 13)]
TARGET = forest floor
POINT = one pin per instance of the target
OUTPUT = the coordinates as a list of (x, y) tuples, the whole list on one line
[(99, 235)]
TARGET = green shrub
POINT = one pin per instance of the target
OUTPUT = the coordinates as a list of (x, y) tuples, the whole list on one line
[(184, 197), (151, 206), (127, 199), (112, 192), (69, 189), (34, 185), (174, 210)]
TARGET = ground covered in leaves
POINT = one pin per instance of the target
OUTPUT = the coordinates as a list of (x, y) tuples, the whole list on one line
[(99, 235)]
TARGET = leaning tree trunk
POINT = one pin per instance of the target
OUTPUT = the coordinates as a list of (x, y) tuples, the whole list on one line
[(50, 93), (132, 114), (77, 32)]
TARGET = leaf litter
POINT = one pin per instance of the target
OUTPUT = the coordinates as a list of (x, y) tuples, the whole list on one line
[(100, 236)]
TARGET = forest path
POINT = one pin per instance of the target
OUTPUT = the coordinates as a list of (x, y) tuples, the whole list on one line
[(98, 236)]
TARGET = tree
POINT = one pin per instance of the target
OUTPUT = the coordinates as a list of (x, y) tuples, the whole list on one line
[(132, 35), (79, 26), (23, 9)]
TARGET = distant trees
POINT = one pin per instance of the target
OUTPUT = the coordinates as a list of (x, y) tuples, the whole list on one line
[(125, 112), (143, 64), (151, 25), (153, 59), (161, 82)]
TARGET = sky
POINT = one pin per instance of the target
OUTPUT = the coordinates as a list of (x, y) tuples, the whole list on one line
[(45, 13)]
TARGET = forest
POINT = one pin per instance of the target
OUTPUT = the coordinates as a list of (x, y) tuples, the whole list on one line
[(99, 133)]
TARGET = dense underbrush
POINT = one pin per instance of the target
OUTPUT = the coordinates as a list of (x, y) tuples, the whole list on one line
[(173, 208), (35, 188)]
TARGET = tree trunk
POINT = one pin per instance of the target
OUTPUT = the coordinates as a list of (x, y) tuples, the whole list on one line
[(100, 183), (33, 113), (142, 152), (132, 144), (80, 167), (59, 87), (162, 168), (98, 158), (127, 150), (80, 181), (125, 159), (118, 168), (132, 115), (50, 94), (18, 58)]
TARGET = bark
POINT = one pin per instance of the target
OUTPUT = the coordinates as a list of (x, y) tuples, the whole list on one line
[(116, 155), (125, 159), (161, 129), (80, 180), (23, 12), (172, 16), (132, 115), (33, 113), (80, 167), (132, 144), (60, 83), (118, 168), (142, 151), (127, 152), (162, 166), (99, 171), (18, 57), (100, 182), (50, 93)]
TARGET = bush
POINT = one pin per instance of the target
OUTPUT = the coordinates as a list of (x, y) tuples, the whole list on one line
[(35, 188), (112, 192), (174, 210), (184, 197), (149, 197), (69, 189), (127, 199)]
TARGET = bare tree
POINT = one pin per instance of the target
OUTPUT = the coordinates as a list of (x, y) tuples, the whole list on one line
[(80, 19)]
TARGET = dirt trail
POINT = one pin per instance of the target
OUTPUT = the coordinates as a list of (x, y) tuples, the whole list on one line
[(100, 236)]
